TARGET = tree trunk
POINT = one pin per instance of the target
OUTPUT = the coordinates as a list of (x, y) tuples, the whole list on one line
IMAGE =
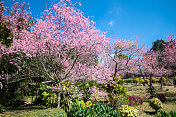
[(161, 82), (115, 70), (59, 95), (58, 99), (150, 80)]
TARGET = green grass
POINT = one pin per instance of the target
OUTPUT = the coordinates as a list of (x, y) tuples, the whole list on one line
[(35, 112)]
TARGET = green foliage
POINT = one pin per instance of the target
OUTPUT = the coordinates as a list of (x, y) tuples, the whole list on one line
[(161, 113), (84, 86), (137, 80), (154, 80), (119, 89), (7, 66), (66, 99), (2, 108), (66, 104), (129, 80), (122, 56), (83, 104), (119, 100), (120, 81), (158, 45), (50, 99), (46, 97), (163, 79), (11, 95), (116, 87), (142, 80), (155, 103), (96, 110), (128, 111)]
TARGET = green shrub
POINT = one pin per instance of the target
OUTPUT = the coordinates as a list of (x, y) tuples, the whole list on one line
[(83, 104), (116, 89), (119, 89), (119, 100), (146, 80), (50, 99), (46, 96), (161, 113), (84, 87), (66, 104), (2, 108), (163, 79), (137, 80), (129, 80), (142, 80), (154, 80), (155, 103), (128, 111), (120, 81)]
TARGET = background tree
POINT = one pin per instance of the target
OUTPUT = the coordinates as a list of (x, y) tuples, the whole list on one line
[(123, 56), (158, 45)]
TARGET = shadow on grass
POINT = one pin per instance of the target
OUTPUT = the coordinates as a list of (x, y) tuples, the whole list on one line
[(29, 107), (151, 112)]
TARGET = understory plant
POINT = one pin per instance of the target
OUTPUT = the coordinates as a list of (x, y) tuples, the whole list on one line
[(162, 97), (135, 100), (95, 110), (118, 100), (162, 113), (155, 103), (2, 108), (128, 111), (84, 86)]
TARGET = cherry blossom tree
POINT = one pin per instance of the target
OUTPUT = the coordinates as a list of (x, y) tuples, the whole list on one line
[(64, 42), (124, 56), (170, 53), (151, 65)]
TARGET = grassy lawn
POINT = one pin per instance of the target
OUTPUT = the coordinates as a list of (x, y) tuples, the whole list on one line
[(35, 111)]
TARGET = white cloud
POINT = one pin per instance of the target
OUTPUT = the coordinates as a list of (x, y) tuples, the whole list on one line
[(111, 23)]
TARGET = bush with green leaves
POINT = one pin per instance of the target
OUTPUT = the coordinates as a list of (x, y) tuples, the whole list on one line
[(50, 99), (155, 103), (2, 108), (118, 100), (83, 104), (66, 95), (128, 111), (96, 110), (129, 80), (84, 87), (46, 96), (161, 113), (116, 89)]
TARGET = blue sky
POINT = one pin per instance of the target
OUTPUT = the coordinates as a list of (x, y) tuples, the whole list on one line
[(148, 20)]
